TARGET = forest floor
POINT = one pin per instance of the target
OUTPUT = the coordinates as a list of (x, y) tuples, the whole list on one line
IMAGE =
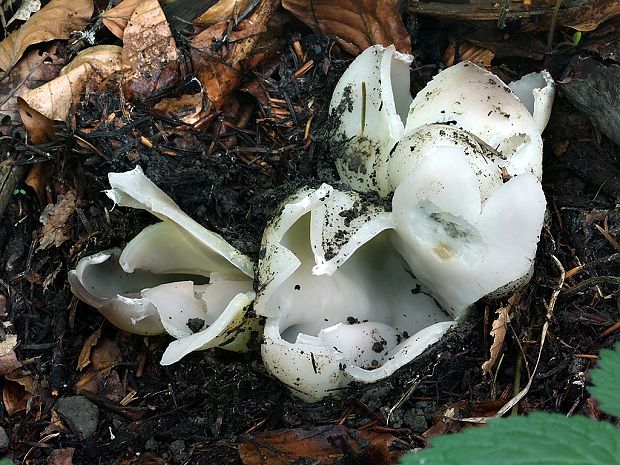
[(229, 170)]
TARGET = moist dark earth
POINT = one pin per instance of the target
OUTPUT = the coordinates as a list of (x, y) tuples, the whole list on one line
[(200, 409)]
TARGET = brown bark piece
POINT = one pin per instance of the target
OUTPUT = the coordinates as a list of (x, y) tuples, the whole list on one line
[(357, 24), (149, 56), (324, 444)]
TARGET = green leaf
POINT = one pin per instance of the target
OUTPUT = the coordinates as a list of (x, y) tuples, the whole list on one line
[(538, 439), (606, 380)]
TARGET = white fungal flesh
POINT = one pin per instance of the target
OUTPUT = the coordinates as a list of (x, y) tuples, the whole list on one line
[(359, 321), (461, 248), (464, 96), (175, 276), (475, 100), (369, 106)]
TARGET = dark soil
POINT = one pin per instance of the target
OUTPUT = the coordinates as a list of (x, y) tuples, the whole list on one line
[(232, 183)]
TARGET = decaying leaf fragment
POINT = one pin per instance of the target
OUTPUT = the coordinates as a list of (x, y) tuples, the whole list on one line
[(88, 69), (324, 444), (56, 20), (116, 19), (149, 56), (223, 10), (498, 331), (218, 52), (357, 24), (55, 228)]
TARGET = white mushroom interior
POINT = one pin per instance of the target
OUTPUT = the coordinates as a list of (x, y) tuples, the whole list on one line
[(342, 326), (460, 247), (174, 276)]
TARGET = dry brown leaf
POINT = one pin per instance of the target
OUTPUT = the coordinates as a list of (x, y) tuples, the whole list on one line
[(322, 444), (357, 24), (498, 332), (8, 358), (9, 363), (116, 19), (100, 378), (37, 179), (222, 11), (54, 218), (34, 69), (218, 65), (40, 128), (88, 69), (149, 57), (56, 20), (16, 392), (468, 52), (84, 358), (106, 355), (61, 456), (185, 108)]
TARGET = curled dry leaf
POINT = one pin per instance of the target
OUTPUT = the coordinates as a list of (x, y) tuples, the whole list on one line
[(498, 332), (149, 56), (8, 359), (34, 69), (61, 456), (357, 24), (56, 20), (223, 10), (218, 63), (116, 19), (16, 392), (54, 218), (40, 128), (185, 108), (89, 68), (84, 358)]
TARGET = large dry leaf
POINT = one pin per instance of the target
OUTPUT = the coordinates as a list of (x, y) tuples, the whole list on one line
[(498, 332), (56, 20), (321, 444), (40, 128), (357, 24), (217, 63), (88, 69), (149, 57), (116, 19), (34, 69), (222, 11)]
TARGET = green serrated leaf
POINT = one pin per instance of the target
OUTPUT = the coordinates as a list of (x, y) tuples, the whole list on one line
[(606, 380), (538, 439)]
